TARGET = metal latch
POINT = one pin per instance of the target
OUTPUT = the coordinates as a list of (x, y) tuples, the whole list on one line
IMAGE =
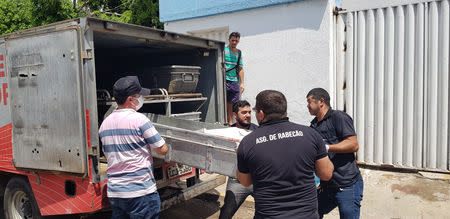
[(92, 151), (87, 54)]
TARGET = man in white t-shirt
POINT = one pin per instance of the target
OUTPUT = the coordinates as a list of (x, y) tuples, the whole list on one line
[(236, 193)]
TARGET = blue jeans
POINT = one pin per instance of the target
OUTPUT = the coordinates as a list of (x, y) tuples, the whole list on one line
[(347, 199), (144, 207), (234, 197)]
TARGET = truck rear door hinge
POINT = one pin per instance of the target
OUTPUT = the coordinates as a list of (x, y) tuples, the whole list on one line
[(92, 151), (87, 54)]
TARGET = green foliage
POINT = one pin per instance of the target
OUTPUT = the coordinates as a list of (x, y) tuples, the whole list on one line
[(15, 15), (146, 13), (125, 17), (50, 11), (141, 12), (22, 14)]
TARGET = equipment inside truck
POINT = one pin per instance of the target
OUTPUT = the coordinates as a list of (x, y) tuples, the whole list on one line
[(117, 56)]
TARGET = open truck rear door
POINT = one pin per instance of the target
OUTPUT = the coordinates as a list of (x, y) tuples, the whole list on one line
[(47, 106)]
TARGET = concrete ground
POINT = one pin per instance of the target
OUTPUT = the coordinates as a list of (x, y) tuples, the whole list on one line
[(404, 195), (208, 206), (387, 194)]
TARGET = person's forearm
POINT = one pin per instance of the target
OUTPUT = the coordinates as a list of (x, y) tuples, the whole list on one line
[(244, 179), (324, 168), (162, 150), (348, 145), (241, 75)]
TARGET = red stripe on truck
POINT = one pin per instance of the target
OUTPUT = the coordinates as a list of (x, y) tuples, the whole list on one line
[(6, 156)]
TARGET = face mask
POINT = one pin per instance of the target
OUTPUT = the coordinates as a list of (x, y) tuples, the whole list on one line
[(141, 102)]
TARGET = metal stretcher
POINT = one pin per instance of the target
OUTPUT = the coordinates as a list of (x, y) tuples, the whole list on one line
[(190, 147)]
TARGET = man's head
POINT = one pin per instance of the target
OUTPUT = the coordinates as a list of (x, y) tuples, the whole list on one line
[(127, 92), (270, 104), (243, 114), (233, 39), (318, 99)]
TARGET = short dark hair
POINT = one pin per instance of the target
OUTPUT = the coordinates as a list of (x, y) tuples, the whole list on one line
[(234, 34), (120, 100), (319, 93), (273, 103), (239, 104)]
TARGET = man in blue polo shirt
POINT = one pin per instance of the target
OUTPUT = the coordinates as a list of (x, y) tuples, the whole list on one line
[(279, 158), (345, 189)]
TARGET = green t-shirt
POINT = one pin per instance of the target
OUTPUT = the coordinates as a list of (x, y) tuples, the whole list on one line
[(231, 59)]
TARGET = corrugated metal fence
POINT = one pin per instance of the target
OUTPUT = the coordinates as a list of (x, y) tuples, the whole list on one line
[(392, 77)]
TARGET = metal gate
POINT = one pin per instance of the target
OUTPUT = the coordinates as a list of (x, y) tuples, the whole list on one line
[(392, 77)]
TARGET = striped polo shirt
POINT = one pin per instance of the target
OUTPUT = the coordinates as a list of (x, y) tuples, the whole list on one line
[(231, 59), (127, 137)]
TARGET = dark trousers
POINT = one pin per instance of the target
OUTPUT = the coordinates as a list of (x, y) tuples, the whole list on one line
[(234, 197), (144, 207), (347, 199)]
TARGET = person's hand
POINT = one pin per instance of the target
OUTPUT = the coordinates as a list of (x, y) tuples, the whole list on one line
[(242, 88)]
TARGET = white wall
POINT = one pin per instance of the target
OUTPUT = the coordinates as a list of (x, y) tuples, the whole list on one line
[(285, 47)]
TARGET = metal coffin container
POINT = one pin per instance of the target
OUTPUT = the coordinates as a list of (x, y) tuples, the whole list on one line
[(176, 78)]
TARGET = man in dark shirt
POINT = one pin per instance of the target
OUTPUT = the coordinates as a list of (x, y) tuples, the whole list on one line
[(279, 158), (236, 193), (345, 189), (243, 115)]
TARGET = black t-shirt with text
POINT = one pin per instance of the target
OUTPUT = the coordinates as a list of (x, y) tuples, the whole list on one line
[(280, 156), (335, 127)]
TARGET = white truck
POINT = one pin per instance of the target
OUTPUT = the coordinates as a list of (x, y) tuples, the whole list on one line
[(55, 85)]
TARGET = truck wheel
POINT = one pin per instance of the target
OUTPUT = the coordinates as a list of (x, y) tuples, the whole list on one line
[(19, 202)]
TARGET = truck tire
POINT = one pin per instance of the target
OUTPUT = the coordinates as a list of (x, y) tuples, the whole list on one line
[(19, 201)]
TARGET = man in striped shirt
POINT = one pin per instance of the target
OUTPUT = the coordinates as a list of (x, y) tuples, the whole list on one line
[(128, 137), (234, 73)]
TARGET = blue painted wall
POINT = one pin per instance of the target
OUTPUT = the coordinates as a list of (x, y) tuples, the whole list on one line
[(172, 10)]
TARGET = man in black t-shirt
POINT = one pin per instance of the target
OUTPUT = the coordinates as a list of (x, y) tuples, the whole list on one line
[(279, 158), (345, 189)]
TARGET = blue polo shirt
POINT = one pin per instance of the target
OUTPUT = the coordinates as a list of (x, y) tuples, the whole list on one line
[(335, 127)]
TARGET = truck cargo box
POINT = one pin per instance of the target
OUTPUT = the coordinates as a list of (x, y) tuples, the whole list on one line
[(60, 76)]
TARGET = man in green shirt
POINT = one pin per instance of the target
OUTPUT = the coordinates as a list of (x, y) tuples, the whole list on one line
[(234, 73)]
